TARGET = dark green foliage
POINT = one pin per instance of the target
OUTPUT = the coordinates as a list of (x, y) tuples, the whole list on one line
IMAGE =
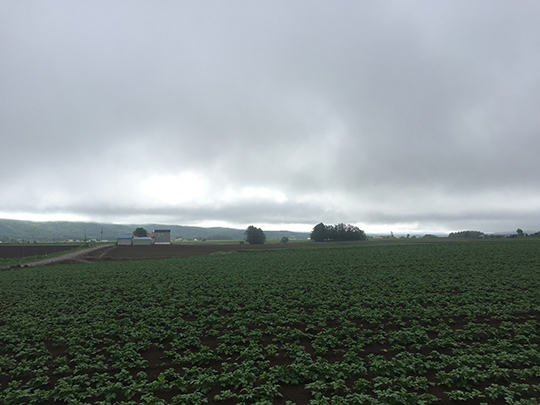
[(372, 323), (319, 233), (140, 232), (465, 234), (255, 236), (339, 232), (342, 232), (363, 324), (284, 240)]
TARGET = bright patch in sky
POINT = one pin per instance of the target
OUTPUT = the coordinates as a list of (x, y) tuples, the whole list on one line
[(44, 217), (174, 189)]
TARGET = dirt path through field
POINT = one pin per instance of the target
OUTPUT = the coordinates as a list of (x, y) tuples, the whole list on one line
[(70, 256)]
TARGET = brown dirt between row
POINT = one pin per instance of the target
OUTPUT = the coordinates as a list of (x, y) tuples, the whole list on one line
[(157, 358), (125, 253)]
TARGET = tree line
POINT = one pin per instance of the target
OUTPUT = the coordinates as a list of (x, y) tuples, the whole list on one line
[(339, 232), (320, 233), (465, 234)]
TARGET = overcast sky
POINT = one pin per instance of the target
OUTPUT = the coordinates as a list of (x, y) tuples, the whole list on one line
[(411, 117)]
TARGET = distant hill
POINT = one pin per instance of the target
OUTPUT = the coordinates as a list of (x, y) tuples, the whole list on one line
[(14, 231)]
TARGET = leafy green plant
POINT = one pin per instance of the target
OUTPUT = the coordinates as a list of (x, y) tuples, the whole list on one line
[(366, 324)]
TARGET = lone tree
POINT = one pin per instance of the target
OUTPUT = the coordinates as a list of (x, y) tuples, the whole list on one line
[(140, 232), (254, 236)]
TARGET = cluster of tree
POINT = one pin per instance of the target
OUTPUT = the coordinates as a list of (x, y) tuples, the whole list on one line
[(254, 236), (465, 234), (477, 234), (339, 232)]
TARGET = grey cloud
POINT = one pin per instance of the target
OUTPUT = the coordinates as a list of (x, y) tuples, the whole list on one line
[(423, 105)]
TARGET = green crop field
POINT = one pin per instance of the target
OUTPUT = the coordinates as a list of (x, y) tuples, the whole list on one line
[(414, 323)]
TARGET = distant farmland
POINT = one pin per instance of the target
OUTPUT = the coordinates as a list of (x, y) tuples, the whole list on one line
[(25, 250), (374, 323)]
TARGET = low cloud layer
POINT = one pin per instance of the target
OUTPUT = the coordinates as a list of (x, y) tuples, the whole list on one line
[(416, 117)]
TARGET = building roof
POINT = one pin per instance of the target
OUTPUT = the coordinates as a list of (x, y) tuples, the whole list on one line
[(125, 236), (162, 230)]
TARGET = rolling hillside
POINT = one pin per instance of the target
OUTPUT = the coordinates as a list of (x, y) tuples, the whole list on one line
[(14, 231)]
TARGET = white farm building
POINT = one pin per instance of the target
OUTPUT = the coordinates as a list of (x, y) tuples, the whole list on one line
[(162, 236), (141, 241), (124, 240)]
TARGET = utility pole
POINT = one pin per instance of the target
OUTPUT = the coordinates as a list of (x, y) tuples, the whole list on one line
[(85, 236), (101, 240)]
